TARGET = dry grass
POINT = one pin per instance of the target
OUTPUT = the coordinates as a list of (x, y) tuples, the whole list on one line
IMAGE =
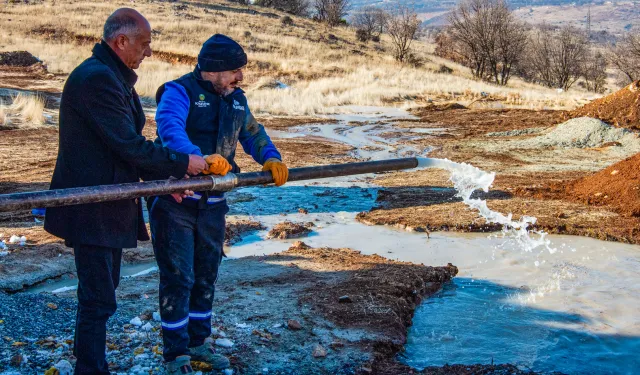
[(28, 110), (324, 67), (4, 116)]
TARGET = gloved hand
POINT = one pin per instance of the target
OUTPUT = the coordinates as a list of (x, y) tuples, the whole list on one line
[(278, 169), (217, 165)]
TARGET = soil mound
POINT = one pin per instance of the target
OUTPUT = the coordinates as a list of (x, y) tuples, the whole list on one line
[(17, 58), (617, 186), (583, 132), (619, 109), (288, 229)]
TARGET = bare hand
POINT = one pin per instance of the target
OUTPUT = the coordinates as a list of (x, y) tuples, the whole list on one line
[(179, 196), (196, 164)]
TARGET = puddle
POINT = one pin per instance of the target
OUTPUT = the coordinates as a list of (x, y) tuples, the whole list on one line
[(572, 310), (67, 283)]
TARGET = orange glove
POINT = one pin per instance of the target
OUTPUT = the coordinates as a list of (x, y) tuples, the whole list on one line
[(278, 169), (217, 165)]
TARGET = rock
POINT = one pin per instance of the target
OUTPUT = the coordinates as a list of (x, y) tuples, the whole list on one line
[(17, 360), (52, 306), (201, 366), (139, 350), (136, 322), (319, 351), (294, 325), (228, 372), (225, 343), (147, 327), (336, 345), (303, 211), (156, 316), (345, 299), (64, 367)]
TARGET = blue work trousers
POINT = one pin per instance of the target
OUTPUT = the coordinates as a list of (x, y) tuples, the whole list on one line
[(187, 242)]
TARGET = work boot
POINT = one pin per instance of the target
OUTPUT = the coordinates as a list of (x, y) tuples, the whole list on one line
[(205, 353), (180, 366)]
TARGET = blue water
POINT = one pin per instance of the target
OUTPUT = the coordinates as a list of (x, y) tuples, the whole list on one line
[(475, 321)]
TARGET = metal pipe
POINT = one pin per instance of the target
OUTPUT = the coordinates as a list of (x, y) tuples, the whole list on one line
[(105, 193)]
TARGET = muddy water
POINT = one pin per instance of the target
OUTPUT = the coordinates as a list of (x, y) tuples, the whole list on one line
[(574, 310)]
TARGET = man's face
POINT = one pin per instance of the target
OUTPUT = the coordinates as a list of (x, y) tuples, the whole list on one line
[(224, 82), (134, 48)]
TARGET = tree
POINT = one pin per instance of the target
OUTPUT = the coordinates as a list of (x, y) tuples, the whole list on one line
[(402, 26), (331, 11), (369, 22), (557, 58), (625, 56), (489, 36), (595, 71)]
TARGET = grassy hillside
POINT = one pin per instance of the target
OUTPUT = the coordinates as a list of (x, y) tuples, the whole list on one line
[(323, 67)]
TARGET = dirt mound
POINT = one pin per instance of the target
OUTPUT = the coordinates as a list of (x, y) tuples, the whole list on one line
[(236, 230), (288, 229), (583, 132), (617, 186), (17, 58), (619, 109)]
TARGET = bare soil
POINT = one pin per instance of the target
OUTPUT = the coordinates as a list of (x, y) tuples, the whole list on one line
[(288, 229), (541, 182), (357, 308), (619, 109)]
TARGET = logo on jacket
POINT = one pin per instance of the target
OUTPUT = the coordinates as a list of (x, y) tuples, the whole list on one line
[(237, 105), (202, 103)]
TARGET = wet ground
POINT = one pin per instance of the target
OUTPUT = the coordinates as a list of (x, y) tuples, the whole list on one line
[(286, 286)]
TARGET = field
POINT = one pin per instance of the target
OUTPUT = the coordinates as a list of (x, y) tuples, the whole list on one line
[(325, 99)]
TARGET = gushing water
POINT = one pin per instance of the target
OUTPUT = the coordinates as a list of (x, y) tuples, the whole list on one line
[(466, 179)]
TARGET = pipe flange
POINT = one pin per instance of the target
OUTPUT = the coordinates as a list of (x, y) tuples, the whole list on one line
[(224, 183)]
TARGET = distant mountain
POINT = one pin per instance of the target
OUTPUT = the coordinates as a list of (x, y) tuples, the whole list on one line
[(607, 16), (440, 5)]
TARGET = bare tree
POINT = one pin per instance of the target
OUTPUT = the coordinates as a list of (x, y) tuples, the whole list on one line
[(489, 36), (331, 11), (370, 22), (625, 56), (568, 55), (402, 26), (595, 71), (557, 58)]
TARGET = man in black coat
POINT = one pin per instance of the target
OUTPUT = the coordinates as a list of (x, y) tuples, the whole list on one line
[(100, 142)]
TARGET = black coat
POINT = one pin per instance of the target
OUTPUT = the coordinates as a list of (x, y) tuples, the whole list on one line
[(100, 143)]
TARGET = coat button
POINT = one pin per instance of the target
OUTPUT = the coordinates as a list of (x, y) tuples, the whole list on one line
[(173, 156)]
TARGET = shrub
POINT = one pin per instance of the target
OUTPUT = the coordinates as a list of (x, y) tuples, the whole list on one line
[(287, 21)]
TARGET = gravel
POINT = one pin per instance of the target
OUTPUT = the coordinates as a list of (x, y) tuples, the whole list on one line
[(516, 132), (583, 132)]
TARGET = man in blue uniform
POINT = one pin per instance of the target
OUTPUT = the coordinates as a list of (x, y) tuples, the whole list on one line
[(202, 113)]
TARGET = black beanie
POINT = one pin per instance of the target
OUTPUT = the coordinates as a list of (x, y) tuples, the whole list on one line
[(221, 53)]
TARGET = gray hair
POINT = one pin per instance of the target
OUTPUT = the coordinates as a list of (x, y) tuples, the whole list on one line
[(122, 21)]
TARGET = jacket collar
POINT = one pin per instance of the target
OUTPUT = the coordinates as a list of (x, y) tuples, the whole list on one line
[(104, 53), (209, 86)]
